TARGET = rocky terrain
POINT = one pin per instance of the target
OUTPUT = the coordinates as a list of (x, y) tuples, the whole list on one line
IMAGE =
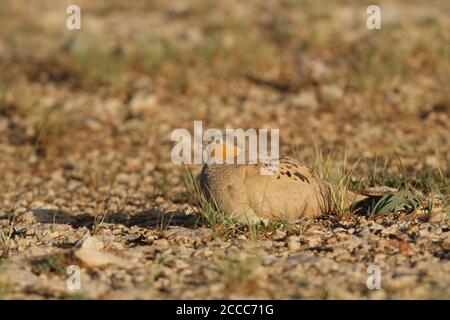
[(86, 177)]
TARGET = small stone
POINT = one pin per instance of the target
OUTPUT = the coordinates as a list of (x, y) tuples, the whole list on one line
[(304, 257), (95, 258), (364, 233), (112, 106), (132, 237), (159, 200), (389, 231), (161, 245), (279, 235), (28, 218), (150, 237), (117, 246), (306, 99), (379, 190), (293, 243), (266, 244), (203, 253), (21, 227), (123, 178), (430, 227), (186, 235), (331, 93), (340, 230), (143, 101), (46, 216), (432, 161), (314, 242), (91, 243), (424, 233), (54, 235), (18, 277)]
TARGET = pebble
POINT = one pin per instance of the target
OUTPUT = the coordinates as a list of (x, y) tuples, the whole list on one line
[(279, 235), (306, 99), (90, 243), (161, 245), (95, 258), (293, 243), (186, 235)]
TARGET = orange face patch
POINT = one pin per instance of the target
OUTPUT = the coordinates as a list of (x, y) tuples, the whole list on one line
[(224, 151)]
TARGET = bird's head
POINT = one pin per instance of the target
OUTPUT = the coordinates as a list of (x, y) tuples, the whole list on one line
[(220, 151)]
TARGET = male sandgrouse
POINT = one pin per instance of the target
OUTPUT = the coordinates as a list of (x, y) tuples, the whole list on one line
[(241, 191)]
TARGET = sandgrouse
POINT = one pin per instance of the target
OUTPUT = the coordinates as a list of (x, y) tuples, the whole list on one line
[(242, 192)]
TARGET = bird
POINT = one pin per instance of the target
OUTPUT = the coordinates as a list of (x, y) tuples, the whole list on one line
[(242, 192)]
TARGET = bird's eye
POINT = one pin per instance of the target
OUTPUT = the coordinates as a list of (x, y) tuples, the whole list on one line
[(218, 141)]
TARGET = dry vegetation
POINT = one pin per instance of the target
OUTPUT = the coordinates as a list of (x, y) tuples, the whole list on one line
[(85, 123)]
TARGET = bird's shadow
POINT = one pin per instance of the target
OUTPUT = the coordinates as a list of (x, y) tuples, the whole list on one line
[(365, 206), (153, 218), (150, 218)]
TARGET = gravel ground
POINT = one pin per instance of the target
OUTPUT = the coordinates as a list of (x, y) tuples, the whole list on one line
[(85, 170)]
